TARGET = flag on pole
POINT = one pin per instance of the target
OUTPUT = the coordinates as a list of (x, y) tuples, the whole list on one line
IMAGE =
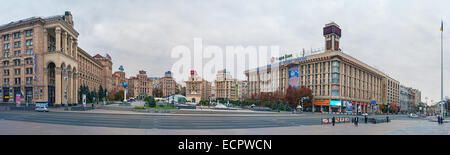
[(442, 26)]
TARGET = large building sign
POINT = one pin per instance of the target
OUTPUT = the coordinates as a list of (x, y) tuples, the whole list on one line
[(332, 29), (293, 76)]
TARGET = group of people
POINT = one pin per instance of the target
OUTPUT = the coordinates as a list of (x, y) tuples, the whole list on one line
[(440, 119)]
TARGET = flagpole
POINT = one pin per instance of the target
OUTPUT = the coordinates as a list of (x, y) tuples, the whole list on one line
[(442, 67)]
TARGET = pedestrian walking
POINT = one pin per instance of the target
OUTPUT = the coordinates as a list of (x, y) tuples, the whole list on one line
[(333, 121), (439, 119), (356, 121), (365, 119)]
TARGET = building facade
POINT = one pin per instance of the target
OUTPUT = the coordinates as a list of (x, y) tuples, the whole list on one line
[(197, 89), (242, 90), (43, 56), (339, 82), (94, 71), (225, 86), (140, 86), (41, 61), (118, 78), (168, 84), (405, 105)]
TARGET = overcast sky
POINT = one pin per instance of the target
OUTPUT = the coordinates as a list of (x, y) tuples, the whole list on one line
[(399, 37)]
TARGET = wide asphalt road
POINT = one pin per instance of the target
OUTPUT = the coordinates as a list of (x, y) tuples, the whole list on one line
[(158, 122)]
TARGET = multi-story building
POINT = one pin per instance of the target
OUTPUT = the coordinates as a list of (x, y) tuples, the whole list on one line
[(40, 60), (242, 90), (197, 89), (405, 105), (225, 86), (168, 84), (139, 86), (391, 94), (118, 78), (339, 82), (94, 72), (416, 99), (106, 72)]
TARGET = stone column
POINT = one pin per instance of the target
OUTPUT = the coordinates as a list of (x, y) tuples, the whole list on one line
[(46, 83), (58, 39), (70, 46), (75, 48), (75, 87), (63, 86), (70, 88), (58, 85), (64, 42), (45, 40)]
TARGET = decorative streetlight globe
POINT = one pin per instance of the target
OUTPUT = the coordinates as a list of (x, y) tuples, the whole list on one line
[(125, 85)]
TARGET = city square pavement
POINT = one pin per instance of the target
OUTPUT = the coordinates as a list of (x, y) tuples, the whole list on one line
[(55, 123), (396, 127)]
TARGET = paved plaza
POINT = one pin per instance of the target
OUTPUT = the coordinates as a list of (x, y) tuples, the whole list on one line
[(396, 127), (129, 123)]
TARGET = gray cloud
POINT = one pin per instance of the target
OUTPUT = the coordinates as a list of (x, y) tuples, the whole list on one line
[(399, 37)]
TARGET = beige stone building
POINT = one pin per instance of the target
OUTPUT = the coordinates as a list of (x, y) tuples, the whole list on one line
[(40, 59), (336, 79), (197, 89), (94, 71), (118, 78), (225, 86), (391, 94), (140, 86), (168, 84)]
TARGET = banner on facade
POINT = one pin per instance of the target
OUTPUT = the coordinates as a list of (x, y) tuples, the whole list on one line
[(293, 76)]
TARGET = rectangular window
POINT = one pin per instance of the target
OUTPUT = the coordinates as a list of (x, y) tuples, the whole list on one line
[(6, 72), (17, 71), (29, 33), (29, 80), (29, 71), (6, 81), (29, 51), (17, 62), (17, 81)]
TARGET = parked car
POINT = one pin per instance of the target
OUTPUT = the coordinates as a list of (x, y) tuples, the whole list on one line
[(364, 114), (413, 115), (41, 107)]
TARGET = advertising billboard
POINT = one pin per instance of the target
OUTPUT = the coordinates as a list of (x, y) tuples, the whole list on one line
[(335, 103), (322, 102), (293, 76)]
